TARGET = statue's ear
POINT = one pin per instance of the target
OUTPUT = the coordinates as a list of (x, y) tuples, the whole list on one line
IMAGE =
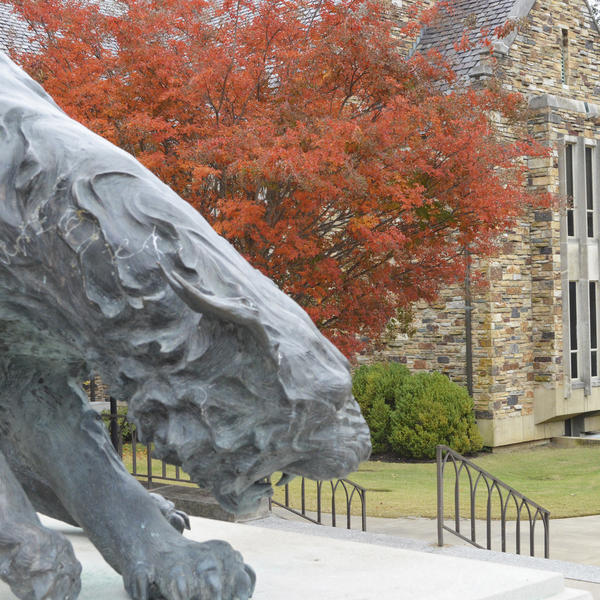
[(236, 309)]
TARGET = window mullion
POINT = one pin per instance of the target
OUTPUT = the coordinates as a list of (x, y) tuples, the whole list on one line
[(593, 300), (583, 300), (590, 199)]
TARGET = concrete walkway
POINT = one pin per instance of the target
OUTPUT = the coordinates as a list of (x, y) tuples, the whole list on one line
[(574, 543), (574, 540)]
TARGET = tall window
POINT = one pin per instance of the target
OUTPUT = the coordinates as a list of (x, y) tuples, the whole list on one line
[(593, 329), (569, 182), (573, 328), (589, 190), (564, 56)]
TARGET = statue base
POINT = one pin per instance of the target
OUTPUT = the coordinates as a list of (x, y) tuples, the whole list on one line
[(298, 566), (198, 503)]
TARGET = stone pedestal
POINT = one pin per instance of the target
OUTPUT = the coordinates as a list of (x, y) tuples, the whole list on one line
[(198, 503), (297, 566)]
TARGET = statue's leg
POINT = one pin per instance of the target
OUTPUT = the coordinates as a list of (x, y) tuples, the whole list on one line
[(74, 455), (37, 563), (45, 501), (39, 493)]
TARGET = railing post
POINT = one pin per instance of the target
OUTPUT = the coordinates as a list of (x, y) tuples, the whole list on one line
[(319, 487), (363, 498), (488, 519), (547, 535), (503, 529), (134, 449), (348, 512), (114, 424), (333, 491), (440, 496), (149, 464)]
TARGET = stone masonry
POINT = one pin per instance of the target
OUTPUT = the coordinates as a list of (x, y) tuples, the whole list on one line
[(521, 389)]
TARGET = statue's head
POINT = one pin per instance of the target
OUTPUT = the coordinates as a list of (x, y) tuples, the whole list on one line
[(263, 391), (226, 374)]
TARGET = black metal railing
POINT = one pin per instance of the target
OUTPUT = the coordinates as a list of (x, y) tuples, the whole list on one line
[(148, 477), (351, 491), (509, 500), (116, 425)]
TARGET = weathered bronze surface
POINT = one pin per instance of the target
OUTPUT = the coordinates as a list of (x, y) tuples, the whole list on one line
[(103, 268)]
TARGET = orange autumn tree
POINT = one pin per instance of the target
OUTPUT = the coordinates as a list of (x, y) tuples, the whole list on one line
[(352, 176)]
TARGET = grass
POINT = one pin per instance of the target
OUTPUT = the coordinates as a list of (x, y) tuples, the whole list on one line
[(157, 466), (565, 481)]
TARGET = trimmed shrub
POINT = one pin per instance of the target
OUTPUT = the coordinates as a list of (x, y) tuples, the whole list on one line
[(375, 387), (410, 415)]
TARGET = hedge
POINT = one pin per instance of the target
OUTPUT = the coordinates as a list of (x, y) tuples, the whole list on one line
[(410, 414)]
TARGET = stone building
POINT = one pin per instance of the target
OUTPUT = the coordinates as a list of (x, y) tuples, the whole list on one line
[(533, 365), (534, 324)]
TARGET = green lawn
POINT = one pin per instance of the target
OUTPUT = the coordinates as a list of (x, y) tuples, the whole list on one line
[(565, 481)]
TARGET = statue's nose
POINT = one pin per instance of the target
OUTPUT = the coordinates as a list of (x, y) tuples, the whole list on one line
[(336, 387), (354, 429), (340, 446)]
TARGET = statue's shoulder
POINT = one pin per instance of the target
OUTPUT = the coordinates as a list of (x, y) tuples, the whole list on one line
[(18, 88)]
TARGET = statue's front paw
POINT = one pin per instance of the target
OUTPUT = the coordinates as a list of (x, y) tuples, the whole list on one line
[(44, 566), (191, 571), (177, 518)]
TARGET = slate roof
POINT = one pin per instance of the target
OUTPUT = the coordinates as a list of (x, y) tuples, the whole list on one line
[(470, 17), (13, 31), (465, 16)]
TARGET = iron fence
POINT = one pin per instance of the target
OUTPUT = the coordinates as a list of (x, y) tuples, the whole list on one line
[(351, 491), (508, 498)]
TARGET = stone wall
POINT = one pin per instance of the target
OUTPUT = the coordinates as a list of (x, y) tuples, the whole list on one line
[(401, 12), (533, 63), (517, 316), (97, 391)]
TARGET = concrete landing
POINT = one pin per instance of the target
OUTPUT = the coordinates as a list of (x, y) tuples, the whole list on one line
[(298, 566)]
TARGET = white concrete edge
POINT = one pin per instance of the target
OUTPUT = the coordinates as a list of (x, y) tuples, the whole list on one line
[(569, 570)]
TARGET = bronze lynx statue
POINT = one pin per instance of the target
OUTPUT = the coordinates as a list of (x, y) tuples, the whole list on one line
[(104, 268)]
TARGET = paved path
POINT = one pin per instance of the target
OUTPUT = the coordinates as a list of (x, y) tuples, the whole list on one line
[(575, 540), (574, 543)]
